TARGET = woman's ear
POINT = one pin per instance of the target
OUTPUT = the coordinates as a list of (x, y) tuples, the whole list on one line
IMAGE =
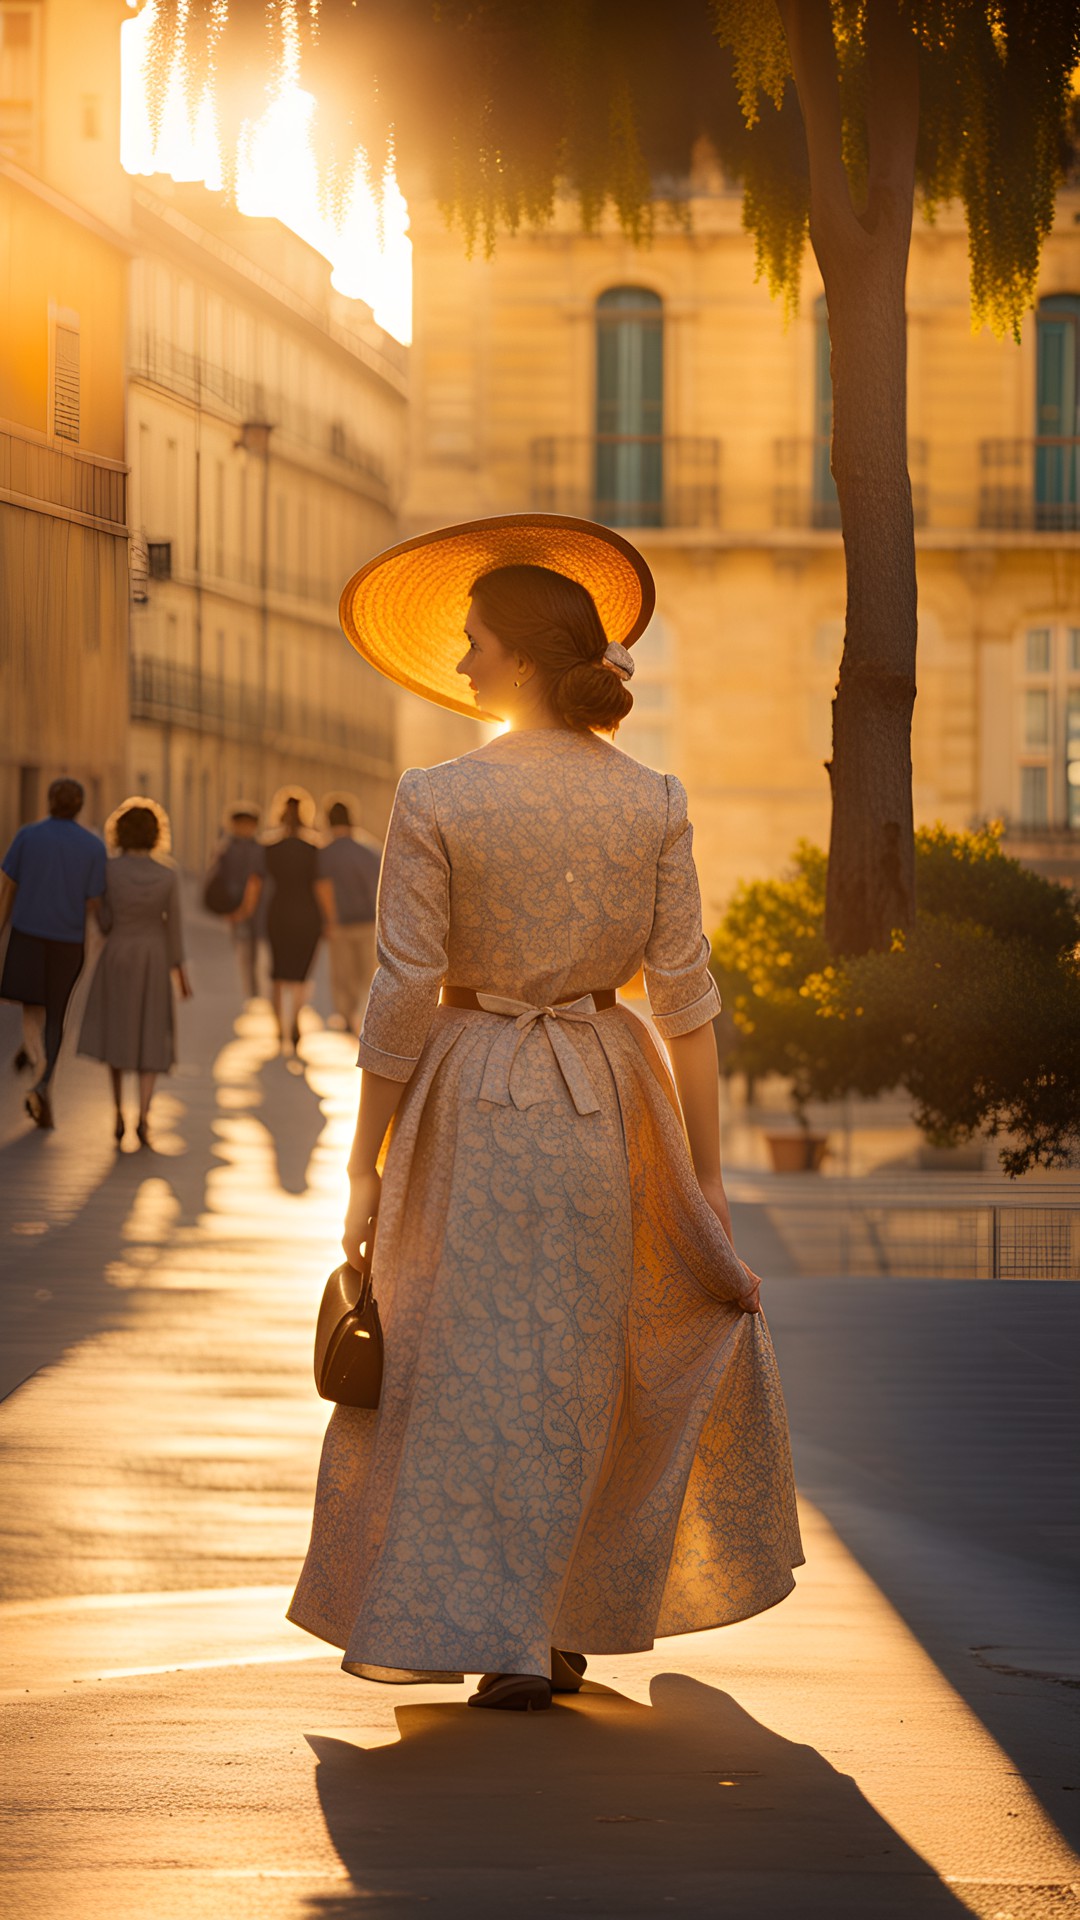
[(523, 670)]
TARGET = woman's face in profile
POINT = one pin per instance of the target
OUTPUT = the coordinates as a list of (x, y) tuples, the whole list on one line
[(489, 668)]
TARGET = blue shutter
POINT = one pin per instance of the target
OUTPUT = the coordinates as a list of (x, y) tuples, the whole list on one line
[(629, 462), (826, 506), (1056, 423)]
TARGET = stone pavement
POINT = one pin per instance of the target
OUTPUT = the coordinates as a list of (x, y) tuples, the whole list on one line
[(895, 1740)]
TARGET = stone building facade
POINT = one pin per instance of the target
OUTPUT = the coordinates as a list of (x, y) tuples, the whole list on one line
[(63, 478), (659, 390), (266, 433)]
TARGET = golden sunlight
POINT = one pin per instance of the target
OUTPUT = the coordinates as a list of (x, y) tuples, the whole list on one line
[(277, 177)]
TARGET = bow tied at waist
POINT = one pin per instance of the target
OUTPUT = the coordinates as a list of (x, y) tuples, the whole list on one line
[(521, 1017)]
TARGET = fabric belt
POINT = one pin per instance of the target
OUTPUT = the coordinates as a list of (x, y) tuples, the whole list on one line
[(521, 1017), (601, 997)]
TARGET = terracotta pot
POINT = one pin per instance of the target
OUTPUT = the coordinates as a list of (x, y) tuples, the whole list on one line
[(801, 1152)]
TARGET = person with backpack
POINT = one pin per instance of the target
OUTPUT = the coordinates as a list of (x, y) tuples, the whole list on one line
[(233, 887)]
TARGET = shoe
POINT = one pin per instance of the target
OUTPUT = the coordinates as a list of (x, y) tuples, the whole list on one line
[(514, 1692), (118, 1130), (567, 1671), (39, 1107), (142, 1133)]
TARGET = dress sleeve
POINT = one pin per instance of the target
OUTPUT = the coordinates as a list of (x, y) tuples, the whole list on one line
[(412, 923), (174, 932), (682, 992)]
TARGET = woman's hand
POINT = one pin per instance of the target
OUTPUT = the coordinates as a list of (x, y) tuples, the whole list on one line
[(364, 1190), (750, 1301)]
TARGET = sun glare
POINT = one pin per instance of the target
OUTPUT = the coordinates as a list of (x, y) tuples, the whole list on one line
[(277, 177)]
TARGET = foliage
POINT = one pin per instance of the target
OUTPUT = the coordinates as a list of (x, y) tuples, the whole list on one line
[(975, 1011), (502, 104)]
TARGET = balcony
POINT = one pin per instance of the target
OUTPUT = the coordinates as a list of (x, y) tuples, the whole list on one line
[(171, 693), (804, 492), (1030, 485), (628, 480), (204, 383)]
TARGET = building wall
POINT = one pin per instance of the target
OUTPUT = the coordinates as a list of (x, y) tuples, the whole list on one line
[(63, 520), (266, 428), (736, 680)]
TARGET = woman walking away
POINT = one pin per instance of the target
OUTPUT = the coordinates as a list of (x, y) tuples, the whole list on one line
[(293, 920), (128, 1021), (581, 1442)]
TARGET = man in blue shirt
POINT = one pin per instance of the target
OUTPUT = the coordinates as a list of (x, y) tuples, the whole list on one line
[(52, 872), (347, 888)]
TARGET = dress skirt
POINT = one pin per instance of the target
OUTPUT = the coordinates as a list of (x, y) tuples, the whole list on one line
[(581, 1442)]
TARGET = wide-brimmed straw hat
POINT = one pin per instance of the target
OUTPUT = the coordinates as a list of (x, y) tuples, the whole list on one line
[(405, 610)]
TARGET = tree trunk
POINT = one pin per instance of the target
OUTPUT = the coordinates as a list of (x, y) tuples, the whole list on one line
[(863, 260)]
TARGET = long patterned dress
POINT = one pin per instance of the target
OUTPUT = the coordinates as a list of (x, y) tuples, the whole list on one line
[(582, 1441)]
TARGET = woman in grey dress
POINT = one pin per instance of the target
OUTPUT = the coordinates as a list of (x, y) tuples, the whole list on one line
[(128, 1021)]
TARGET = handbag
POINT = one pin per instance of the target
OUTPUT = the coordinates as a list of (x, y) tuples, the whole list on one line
[(348, 1335)]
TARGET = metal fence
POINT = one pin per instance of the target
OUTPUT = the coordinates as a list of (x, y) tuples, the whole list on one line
[(969, 1240)]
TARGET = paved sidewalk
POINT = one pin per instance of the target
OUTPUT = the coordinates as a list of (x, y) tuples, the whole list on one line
[(894, 1740)]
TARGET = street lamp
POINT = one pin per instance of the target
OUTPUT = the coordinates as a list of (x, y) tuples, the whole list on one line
[(255, 441)]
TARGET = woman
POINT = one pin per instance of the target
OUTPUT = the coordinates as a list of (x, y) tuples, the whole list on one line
[(128, 1021), (293, 920), (581, 1442)]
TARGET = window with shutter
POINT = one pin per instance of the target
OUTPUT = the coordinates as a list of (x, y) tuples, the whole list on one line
[(66, 383)]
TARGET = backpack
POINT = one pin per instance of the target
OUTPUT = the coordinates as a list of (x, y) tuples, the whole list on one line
[(221, 894)]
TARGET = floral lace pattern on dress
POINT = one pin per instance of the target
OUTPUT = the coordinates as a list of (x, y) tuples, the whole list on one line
[(582, 1439)]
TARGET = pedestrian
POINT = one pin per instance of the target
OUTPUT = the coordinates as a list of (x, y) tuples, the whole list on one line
[(53, 874), (348, 887), (293, 920), (581, 1442), (129, 1020), (233, 887)]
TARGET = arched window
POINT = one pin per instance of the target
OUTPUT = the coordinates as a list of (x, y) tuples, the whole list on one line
[(826, 506), (629, 464), (1057, 412)]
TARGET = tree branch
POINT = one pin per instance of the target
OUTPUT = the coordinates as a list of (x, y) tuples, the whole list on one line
[(892, 116), (808, 26)]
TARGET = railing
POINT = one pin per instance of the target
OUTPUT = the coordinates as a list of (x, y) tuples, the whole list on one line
[(196, 379), (804, 492), (166, 691), (628, 480), (903, 1228), (72, 478), (1031, 485)]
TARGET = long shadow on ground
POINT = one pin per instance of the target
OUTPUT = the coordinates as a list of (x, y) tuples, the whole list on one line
[(604, 1806)]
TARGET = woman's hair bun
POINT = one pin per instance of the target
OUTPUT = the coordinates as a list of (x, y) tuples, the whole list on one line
[(590, 694), (552, 620)]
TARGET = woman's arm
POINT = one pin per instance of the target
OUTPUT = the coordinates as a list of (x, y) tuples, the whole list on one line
[(694, 1065), (697, 1077), (379, 1101)]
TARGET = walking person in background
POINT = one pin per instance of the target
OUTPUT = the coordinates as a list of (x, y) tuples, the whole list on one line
[(234, 884), (293, 920), (348, 887), (53, 872), (128, 1021)]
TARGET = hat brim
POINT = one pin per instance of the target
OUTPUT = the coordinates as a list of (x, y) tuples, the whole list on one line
[(405, 610)]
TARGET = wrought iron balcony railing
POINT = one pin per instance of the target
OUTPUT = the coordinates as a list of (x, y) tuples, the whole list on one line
[(1031, 485), (628, 480), (195, 378), (171, 692), (804, 492)]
